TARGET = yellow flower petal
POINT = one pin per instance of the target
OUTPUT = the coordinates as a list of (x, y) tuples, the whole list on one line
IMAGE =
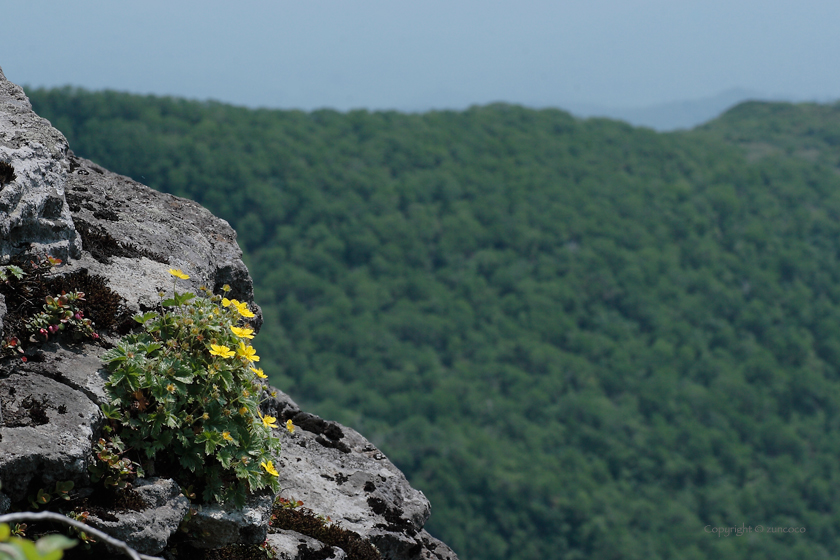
[(269, 468), (226, 302), (259, 373), (244, 311), (247, 352), (268, 421), (221, 351), (290, 426), (226, 436), (178, 273), (243, 332)]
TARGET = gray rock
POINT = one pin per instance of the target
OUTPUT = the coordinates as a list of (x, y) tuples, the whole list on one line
[(339, 474), (432, 549), (132, 235), (289, 545), (148, 530), (34, 216), (77, 366), (215, 526), (5, 503), (46, 433)]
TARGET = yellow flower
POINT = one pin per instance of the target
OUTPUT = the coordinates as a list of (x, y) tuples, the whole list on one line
[(243, 411), (242, 307), (259, 373), (170, 388), (268, 421), (290, 426), (226, 302), (243, 332), (226, 436), (178, 273), (269, 468), (225, 288), (247, 352), (222, 351)]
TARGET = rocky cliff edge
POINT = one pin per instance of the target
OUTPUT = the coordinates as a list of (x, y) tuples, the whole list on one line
[(107, 226)]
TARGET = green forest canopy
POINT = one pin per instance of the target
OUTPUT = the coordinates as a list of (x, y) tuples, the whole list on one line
[(578, 338)]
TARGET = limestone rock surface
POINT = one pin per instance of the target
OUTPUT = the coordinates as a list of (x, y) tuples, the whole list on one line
[(133, 235), (33, 212), (148, 530)]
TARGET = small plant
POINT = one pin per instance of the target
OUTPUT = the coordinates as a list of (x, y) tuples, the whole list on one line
[(43, 497), (11, 271), (35, 313), (290, 514), (11, 345), (62, 313), (50, 547), (111, 467), (186, 388), (74, 530), (286, 503)]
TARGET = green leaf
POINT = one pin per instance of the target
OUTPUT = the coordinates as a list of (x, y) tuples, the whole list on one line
[(150, 347), (62, 489), (110, 411), (20, 549), (227, 379), (184, 298), (225, 457), (51, 545), (190, 461), (144, 317), (43, 497), (211, 440)]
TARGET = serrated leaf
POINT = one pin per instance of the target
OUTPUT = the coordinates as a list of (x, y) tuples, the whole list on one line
[(110, 411), (16, 271), (151, 347), (144, 317), (184, 298), (225, 457)]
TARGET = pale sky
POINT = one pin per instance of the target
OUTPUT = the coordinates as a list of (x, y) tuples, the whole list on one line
[(421, 54)]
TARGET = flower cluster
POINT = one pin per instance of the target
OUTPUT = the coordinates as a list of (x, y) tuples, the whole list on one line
[(187, 386), (62, 313)]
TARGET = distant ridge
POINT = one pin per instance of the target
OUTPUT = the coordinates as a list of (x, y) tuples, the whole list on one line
[(674, 115)]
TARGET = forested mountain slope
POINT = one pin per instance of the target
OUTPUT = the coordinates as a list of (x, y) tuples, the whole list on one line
[(579, 339)]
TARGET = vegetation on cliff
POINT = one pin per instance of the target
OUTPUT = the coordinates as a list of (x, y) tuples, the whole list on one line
[(579, 339)]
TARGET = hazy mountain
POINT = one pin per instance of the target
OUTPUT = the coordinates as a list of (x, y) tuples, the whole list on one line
[(674, 115)]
